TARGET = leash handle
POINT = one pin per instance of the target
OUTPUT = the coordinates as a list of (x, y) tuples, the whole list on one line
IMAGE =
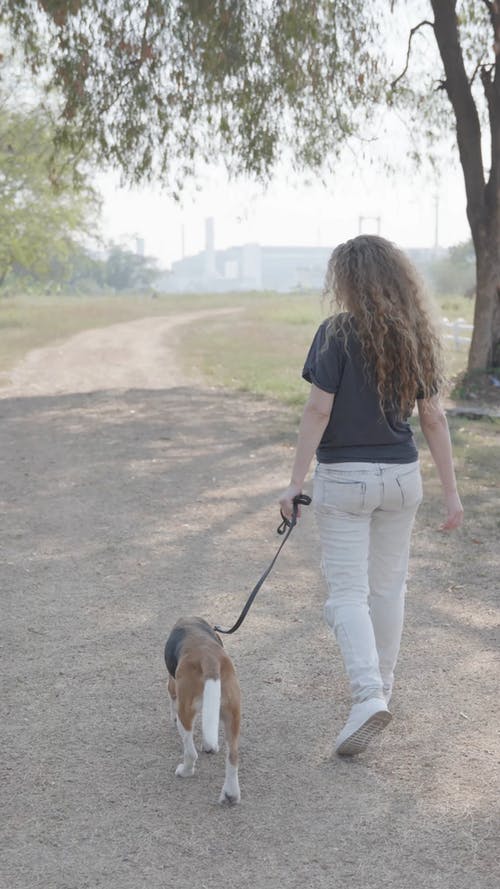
[(286, 525), (305, 500)]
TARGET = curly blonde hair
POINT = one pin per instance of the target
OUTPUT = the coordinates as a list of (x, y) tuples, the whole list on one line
[(373, 281)]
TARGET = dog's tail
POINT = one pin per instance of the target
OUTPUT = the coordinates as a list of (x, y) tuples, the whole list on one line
[(210, 714)]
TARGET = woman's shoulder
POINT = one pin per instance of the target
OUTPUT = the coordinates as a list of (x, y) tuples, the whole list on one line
[(339, 326)]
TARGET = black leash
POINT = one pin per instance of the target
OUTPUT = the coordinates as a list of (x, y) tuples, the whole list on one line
[(289, 524)]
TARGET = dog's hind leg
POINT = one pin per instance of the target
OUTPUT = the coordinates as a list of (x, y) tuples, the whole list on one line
[(186, 768), (187, 696), (172, 698), (231, 718)]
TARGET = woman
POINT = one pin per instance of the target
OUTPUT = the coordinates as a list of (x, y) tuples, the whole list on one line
[(367, 366)]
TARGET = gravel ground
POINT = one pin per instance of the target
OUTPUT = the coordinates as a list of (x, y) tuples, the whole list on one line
[(132, 497)]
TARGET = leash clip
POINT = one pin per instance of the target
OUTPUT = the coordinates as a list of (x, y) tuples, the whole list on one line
[(305, 500)]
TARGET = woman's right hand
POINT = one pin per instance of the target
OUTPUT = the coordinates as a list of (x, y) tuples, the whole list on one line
[(286, 500), (454, 512)]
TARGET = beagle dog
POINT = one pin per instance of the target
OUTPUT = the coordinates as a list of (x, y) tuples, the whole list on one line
[(202, 677)]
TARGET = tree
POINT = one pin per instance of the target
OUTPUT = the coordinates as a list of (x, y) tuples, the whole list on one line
[(156, 86), (454, 272), (43, 209), (125, 270)]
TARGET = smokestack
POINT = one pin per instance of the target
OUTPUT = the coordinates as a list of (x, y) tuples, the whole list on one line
[(209, 248)]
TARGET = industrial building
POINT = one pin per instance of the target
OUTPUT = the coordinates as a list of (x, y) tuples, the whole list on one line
[(254, 267), (247, 267)]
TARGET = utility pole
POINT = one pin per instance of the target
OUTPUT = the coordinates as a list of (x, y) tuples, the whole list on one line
[(436, 222)]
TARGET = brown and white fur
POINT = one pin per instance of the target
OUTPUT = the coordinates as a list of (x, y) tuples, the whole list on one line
[(202, 677)]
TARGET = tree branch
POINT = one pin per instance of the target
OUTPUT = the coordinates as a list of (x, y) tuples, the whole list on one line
[(486, 72), (410, 38), (479, 67)]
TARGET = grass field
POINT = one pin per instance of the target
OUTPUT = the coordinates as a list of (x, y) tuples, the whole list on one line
[(264, 348), (261, 350)]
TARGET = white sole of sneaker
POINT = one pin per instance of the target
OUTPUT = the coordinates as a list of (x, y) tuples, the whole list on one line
[(359, 740)]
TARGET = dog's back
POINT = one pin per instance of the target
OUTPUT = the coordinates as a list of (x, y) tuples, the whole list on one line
[(188, 634)]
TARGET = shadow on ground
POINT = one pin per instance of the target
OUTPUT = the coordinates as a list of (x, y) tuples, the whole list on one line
[(123, 511)]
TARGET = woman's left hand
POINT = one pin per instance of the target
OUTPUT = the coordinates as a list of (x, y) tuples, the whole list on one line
[(286, 500), (454, 512)]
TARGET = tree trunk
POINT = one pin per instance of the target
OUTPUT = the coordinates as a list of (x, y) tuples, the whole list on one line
[(483, 197), (485, 345)]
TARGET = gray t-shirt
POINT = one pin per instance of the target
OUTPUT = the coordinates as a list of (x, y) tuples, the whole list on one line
[(358, 429)]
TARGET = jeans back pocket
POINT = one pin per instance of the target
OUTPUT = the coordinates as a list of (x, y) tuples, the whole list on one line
[(346, 495)]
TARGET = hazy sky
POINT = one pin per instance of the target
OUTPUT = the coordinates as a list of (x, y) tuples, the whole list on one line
[(288, 212)]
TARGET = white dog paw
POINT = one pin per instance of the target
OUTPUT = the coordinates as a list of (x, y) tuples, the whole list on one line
[(230, 797), (208, 749), (183, 771)]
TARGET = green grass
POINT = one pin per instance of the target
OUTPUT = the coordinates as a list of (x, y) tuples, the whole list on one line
[(452, 307), (263, 350)]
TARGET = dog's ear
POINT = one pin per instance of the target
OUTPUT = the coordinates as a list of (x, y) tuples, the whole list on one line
[(219, 640)]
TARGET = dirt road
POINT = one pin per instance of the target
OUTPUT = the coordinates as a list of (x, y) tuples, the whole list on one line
[(130, 497)]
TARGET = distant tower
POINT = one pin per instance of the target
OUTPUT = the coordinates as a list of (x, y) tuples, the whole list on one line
[(209, 248), (139, 246)]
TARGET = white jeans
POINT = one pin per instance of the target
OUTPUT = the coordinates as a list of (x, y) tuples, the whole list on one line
[(365, 514)]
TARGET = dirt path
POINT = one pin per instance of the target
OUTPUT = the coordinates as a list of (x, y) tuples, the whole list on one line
[(128, 506), (134, 354)]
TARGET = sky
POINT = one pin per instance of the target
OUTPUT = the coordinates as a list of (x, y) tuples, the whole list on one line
[(288, 212)]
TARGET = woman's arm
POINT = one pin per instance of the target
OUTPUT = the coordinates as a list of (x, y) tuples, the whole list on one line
[(314, 420), (435, 429)]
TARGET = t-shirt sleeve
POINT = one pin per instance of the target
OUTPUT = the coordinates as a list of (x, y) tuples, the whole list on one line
[(325, 361)]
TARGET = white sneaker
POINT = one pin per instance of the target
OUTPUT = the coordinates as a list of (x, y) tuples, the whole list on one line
[(365, 721)]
